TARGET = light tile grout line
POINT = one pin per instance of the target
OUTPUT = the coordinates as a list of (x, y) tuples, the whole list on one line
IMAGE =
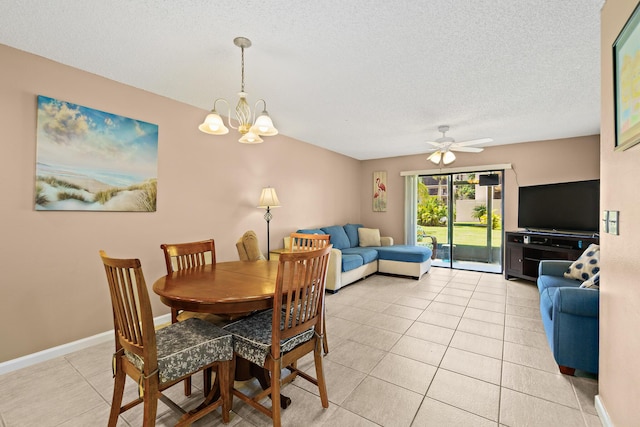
[(504, 313), (449, 279)]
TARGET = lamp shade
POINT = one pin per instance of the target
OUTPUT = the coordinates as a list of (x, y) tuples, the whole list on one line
[(250, 138), (269, 198), (264, 125), (435, 157), (448, 157), (213, 124)]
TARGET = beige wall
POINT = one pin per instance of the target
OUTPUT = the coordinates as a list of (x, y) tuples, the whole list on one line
[(53, 289), (538, 162), (619, 379)]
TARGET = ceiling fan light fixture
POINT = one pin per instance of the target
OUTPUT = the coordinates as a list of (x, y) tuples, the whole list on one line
[(445, 146), (435, 157), (448, 157)]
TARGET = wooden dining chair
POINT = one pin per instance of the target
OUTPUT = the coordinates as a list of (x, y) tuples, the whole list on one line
[(305, 242), (278, 337), (156, 360), (179, 256)]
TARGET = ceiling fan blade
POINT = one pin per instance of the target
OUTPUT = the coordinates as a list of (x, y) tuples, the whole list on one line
[(472, 142), (434, 143), (466, 149)]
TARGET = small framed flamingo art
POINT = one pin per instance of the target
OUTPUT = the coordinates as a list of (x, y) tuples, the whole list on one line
[(380, 191)]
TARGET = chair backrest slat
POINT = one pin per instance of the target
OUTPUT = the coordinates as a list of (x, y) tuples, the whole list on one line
[(180, 256), (132, 315), (305, 242), (300, 284)]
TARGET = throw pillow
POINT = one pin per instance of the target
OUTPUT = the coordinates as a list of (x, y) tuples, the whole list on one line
[(586, 266), (250, 242), (369, 236), (352, 233), (593, 283), (339, 238)]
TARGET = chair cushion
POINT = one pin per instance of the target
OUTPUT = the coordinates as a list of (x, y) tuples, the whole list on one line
[(252, 337), (352, 233), (186, 347), (339, 238), (586, 266), (369, 236)]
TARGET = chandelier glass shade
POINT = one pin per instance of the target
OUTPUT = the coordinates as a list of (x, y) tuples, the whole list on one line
[(250, 127)]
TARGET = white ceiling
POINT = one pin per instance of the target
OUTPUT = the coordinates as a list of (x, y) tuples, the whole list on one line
[(366, 78)]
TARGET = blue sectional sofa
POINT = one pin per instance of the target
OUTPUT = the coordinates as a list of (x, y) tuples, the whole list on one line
[(570, 315), (352, 259)]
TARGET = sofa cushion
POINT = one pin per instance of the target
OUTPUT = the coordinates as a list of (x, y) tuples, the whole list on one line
[(587, 265), (593, 283), (351, 262), (352, 233), (368, 254), (369, 237), (339, 238), (311, 231), (547, 281), (404, 253)]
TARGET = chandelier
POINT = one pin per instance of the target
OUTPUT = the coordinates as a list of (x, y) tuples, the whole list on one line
[(251, 130)]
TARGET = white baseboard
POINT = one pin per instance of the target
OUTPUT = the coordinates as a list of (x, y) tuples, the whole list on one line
[(61, 350), (602, 412)]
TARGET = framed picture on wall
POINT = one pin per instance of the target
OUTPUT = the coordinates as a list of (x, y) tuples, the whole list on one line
[(380, 191), (626, 77), (91, 160)]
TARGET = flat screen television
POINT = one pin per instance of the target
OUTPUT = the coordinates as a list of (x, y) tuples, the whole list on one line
[(572, 207)]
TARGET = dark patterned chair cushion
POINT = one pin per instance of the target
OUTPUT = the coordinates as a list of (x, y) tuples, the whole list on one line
[(252, 337), (186, 347)]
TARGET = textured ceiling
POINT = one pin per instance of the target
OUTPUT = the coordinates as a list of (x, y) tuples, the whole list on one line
[(366, 78)]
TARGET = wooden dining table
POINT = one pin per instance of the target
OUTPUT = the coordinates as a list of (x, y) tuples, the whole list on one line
[(222, 288), (231, 288)]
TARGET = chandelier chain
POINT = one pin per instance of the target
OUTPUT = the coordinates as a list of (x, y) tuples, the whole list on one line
[(242, 49)]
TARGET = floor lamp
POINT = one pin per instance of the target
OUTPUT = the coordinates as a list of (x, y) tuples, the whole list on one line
[(268, 200)]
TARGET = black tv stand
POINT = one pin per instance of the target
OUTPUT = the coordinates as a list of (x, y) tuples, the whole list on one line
[(522, 259), (559, 233)]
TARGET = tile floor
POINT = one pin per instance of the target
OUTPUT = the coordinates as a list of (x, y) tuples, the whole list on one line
[(456, 348)]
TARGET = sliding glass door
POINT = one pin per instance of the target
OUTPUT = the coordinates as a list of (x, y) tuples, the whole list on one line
[(462, 212)]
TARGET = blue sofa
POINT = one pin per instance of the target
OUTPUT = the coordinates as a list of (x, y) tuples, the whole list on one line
[(350, 262), (570, 315)]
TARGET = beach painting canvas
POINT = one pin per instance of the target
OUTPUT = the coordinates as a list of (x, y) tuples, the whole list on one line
[(90, 160)]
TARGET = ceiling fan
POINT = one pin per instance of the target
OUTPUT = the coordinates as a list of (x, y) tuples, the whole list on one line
[(444, 147)]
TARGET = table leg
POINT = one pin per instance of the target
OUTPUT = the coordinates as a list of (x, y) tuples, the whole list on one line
[(243, 366)]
